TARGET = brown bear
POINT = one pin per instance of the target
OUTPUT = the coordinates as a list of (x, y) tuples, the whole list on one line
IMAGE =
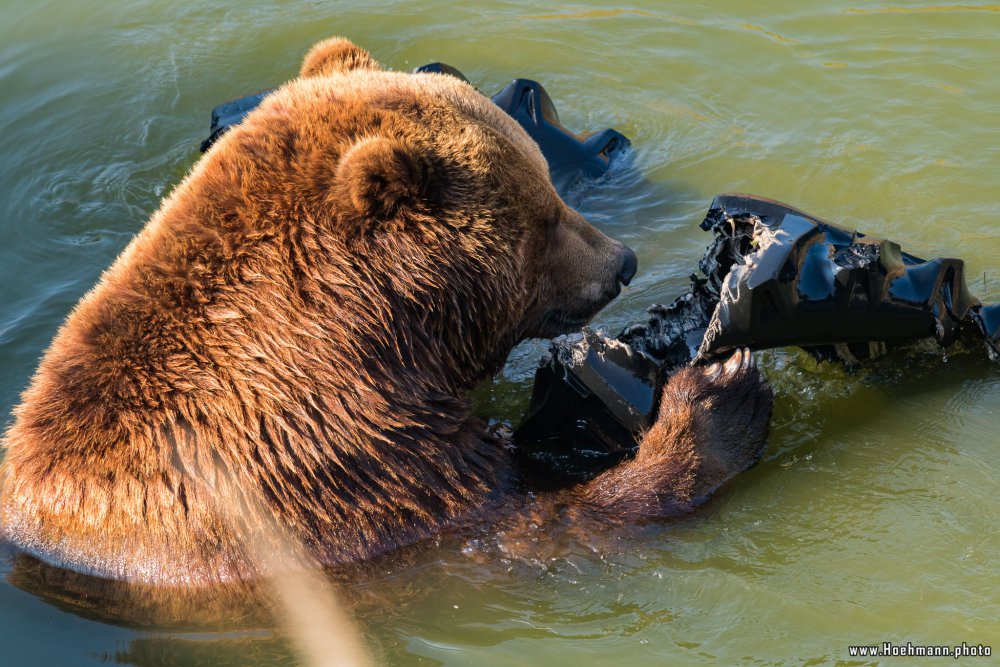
[(292, 338)]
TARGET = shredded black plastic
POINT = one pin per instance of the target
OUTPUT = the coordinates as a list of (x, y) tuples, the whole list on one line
[(572, 158), (784, 277), (773, 276)]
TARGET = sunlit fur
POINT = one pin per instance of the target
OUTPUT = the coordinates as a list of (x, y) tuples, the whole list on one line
[(293, 335)]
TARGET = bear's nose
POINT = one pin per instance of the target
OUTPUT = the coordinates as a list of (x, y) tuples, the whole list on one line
[(630, 264)]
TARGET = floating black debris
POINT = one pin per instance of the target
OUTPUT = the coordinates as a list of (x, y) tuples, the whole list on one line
[(784, 277), (773, 276), (572, 158)]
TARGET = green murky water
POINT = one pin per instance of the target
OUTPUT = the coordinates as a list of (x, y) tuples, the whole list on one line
[(874, 515)]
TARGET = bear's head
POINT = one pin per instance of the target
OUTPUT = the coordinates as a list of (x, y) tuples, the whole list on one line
[(295, 328), (441, 202)]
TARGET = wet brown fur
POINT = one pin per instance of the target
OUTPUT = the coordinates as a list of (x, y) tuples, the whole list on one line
[(293, 335)]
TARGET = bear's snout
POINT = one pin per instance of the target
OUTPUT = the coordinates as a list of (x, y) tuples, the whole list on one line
[(629, 264)]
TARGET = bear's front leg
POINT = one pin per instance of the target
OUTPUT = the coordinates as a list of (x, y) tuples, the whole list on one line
[(712, 424)]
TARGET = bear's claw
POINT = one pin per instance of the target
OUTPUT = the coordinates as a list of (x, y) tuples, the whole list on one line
[(739, 363)]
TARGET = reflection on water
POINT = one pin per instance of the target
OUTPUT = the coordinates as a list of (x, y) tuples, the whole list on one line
[(199, 652), (873, 516)]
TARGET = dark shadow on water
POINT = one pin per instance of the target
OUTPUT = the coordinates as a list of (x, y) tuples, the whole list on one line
[(138, 606), (160, 651)]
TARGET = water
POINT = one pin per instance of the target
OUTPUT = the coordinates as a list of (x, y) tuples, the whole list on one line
[(874, 514)]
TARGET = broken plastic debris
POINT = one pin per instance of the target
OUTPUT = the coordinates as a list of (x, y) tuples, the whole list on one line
[(591, 396), (773, 276), (784, 277)]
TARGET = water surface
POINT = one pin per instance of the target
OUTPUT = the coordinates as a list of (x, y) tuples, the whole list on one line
[(874, 515)]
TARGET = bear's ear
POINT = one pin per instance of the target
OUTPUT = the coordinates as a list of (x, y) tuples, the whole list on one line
[(336, 54), (384, 183)]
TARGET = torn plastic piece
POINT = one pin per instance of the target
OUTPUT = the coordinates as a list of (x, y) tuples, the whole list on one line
[(592, 397), (594, 390), (787, 278), (773, 276), (571, 157)]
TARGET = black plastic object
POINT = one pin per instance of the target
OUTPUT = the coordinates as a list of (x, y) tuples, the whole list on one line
[(773, 276), (784, 277), (440, 68), (988, 319), (572, 158), (591, 397), (230, 113)]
